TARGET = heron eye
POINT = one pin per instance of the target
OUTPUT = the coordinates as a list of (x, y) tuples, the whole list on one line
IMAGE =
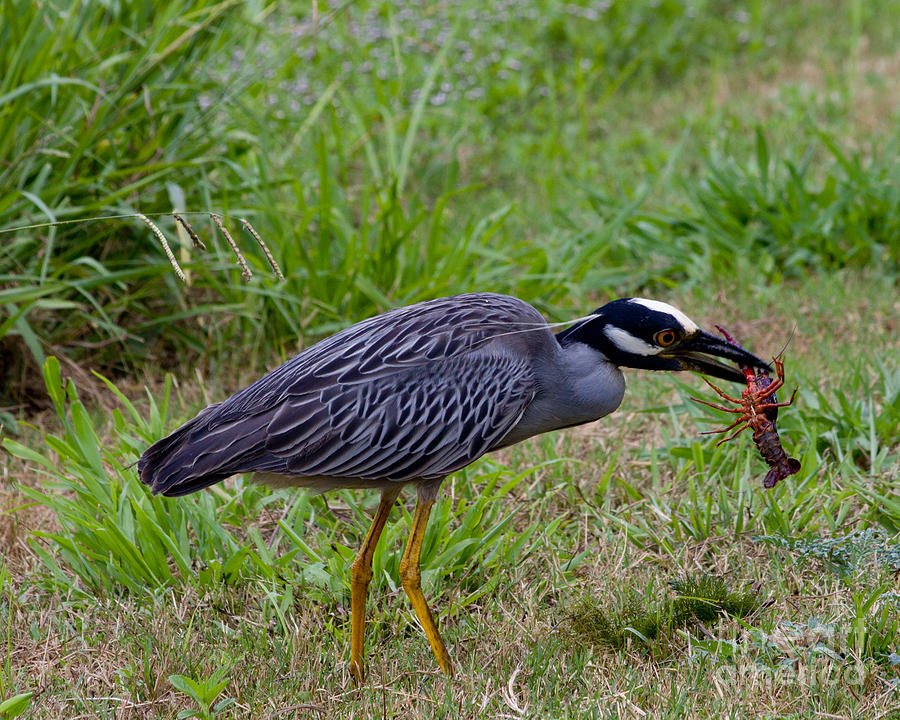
[(664, 338)]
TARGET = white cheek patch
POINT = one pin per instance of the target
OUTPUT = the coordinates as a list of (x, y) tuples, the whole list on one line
[(626, 342), (688, 325)]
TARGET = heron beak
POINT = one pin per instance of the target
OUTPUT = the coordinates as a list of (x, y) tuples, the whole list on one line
[(704, 352)]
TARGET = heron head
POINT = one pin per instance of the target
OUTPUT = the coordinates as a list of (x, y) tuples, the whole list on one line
[(653, 335)]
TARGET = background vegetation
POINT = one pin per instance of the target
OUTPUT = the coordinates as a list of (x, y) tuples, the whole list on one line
[(736, 159)]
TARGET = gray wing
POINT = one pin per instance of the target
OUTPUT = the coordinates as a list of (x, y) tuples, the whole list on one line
[(421, 423), (415, 393)]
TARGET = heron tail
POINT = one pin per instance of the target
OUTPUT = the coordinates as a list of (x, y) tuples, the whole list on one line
[(173, 465)]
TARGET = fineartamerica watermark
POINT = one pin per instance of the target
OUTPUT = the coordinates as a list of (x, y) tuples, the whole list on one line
[(821, 673)]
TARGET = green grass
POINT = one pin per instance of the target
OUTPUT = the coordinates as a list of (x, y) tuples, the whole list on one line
[(737, 161), (384, 167)]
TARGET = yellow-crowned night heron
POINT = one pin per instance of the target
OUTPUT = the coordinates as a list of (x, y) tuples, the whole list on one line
[(410, 396)]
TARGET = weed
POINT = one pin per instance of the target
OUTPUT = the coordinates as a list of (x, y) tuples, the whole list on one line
[(843, 554)]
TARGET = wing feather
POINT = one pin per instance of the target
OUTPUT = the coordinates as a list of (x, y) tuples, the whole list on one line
[(415, 393), (388, 442)]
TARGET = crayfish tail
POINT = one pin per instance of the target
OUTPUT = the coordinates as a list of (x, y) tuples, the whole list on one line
[(779, 472)]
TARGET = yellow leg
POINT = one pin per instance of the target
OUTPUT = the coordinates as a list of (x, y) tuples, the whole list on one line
[(412, 583), (360, 575)]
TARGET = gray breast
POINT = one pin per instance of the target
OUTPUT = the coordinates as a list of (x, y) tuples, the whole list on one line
[(576, 385)]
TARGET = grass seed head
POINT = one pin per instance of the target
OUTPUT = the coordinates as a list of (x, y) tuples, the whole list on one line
[(242, 262), (165, 245), (273, 264), (195, 238)]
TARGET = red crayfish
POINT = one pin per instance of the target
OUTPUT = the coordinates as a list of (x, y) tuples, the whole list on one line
[(758, 409)]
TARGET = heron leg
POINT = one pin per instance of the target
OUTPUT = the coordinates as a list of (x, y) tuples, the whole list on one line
[(412, 583), (360, 575)]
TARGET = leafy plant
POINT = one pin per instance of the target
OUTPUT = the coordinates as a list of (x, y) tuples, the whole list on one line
[(204, 693), (863, 419), (113, 533)]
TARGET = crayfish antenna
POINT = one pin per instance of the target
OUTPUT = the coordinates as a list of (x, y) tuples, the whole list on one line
[(788, 341)]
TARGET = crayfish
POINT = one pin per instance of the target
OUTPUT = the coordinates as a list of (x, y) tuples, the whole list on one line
[(758, 409)]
